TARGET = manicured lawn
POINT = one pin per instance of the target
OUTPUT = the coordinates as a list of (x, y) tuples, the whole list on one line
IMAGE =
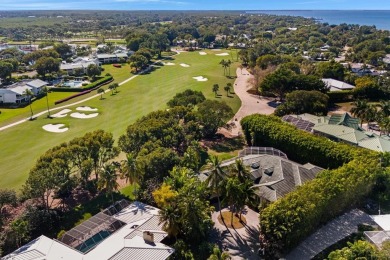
[(8, 116), (23, 144), (119, 74)]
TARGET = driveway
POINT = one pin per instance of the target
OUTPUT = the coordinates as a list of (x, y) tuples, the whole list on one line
[(241, 243)]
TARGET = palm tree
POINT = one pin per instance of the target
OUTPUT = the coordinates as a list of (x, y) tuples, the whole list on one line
[(216, 175), (101, 92), (240, 170), (360, 110), (112, 88), (215, 89), (228, 63), (384, 106), (234, 195), (130, 170), (108, 179), (116, 86), (224, 65), (227, 89), (46, 91), (29, 95), (169, 216), (384, 124)]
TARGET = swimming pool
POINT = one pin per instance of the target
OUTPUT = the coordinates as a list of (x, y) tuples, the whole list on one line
[(73, 84)]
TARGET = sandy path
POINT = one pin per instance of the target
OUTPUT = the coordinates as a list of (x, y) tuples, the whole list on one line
[(250, 104)]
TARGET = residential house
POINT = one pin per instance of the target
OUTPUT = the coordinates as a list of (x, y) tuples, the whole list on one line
[(37, 86), (80, 63), (337, 85), (360, 68), (15, 94), (111, 58), (123, 231), (340, 128), (273, 174), (378, 237)]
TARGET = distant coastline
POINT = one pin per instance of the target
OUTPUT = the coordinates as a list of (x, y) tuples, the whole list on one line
[(379, 18)]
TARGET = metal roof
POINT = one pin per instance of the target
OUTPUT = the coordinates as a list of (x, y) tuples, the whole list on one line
[(341, 132), (37, 83), (337, 85), (345, 120), (376, 144), (127, 242)]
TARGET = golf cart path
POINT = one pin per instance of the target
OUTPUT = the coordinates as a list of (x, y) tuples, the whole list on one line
[(250, 104)]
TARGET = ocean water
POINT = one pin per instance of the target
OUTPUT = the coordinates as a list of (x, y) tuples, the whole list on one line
[(379, 18)]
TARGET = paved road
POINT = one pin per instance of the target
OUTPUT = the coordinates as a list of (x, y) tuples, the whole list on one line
[(330, 234)]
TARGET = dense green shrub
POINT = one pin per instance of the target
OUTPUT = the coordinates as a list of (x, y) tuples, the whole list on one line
[(300, 146), (340, 96)]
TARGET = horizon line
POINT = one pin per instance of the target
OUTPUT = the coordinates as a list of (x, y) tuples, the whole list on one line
[(196, 10)]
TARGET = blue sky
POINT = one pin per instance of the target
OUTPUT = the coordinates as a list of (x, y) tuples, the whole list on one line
[(195, 4)]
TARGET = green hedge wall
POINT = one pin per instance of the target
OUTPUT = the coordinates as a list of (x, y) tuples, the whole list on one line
[(340, 96), (300, 146), (292, 218)]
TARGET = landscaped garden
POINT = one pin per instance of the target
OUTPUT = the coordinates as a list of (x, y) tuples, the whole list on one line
[(134, 99)]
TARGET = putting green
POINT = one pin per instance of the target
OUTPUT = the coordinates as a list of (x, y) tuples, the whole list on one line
[(23, 144)]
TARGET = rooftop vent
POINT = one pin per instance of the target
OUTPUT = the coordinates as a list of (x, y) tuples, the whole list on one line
[(148, 237), (255, 165), (269, 170)]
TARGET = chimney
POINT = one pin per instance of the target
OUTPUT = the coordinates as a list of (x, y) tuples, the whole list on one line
[(148, 237)]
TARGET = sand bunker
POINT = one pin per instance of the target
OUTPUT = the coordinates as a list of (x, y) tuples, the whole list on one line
[(62, 113), (184, 65), (200, 78), (85, 108), (83, 116), (169, 64), (55, 128), (202, 53), (222, 54)]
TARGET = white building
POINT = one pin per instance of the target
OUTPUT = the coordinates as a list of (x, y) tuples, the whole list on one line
[(122, 231), (15, 93), (337, 85), (111, 58), (77, 64)]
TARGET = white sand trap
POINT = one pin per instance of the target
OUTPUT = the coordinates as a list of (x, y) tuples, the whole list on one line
[(169, 64), (62, 113), (85, 108), (200, 78), (83, 116), (222, 54), (202, 53), (184, 65), (55, 128)]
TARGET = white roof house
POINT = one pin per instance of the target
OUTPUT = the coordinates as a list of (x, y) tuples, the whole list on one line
[(14, 94), (36, 85), (122, 231), (337, 85), (78, 63), (378, 237)]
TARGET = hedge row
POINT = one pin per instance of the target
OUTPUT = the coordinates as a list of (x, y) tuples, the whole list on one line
[(340, 96), (292, 218), (92, 85), (85, 92), (300, 146)]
